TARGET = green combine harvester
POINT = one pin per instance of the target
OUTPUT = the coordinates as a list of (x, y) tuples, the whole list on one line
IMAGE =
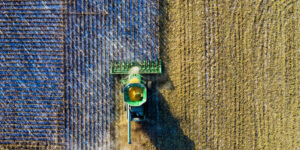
[(135, 87)]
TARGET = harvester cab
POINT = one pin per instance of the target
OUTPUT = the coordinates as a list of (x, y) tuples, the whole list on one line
[(135, 87)]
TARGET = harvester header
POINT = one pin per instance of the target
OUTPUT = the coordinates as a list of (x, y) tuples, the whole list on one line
[(146, 67)]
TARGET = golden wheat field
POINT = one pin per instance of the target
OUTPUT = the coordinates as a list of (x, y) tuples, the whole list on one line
[(231, 78)]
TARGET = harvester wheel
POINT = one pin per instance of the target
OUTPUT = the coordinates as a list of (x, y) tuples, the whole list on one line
[(149, 84), (125, 107)]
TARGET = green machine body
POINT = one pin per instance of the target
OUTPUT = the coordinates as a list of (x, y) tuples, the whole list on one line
[(135, 87)]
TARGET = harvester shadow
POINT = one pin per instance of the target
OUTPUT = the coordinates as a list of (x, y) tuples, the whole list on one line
[(161, 126)]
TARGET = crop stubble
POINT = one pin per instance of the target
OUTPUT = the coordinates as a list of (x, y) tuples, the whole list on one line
[(234, 67)]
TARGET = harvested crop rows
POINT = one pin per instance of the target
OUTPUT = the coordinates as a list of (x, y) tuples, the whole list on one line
[(233, 76)]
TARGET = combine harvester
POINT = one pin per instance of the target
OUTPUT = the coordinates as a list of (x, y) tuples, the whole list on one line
[(135, 87)]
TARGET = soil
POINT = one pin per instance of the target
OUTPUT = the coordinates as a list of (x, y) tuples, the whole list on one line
[(230, 81)]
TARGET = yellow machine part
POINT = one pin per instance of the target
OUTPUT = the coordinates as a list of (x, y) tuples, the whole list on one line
[(134, 80), (135, 94)]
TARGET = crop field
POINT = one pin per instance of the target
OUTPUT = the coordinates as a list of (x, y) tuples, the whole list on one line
[(231, 77), (230, 74)]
